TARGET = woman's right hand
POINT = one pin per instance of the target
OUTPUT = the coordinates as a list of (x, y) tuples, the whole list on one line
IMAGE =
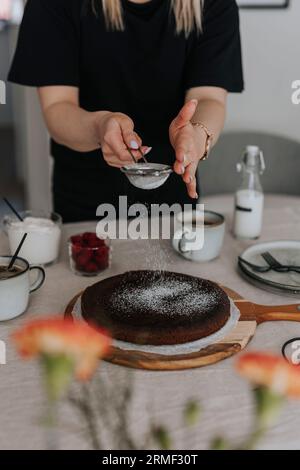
[(116, 136)]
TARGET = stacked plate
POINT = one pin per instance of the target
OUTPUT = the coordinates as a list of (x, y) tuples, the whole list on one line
[(283, 283)]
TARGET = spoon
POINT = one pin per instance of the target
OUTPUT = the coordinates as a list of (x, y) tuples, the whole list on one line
[(12, 261), (13, 209), (141, 153)]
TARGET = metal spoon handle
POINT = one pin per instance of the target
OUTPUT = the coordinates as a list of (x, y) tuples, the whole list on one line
[(13, 209), (142, 155), (12, 261), (131, 154)]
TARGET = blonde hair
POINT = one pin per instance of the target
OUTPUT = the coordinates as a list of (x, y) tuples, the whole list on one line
[(188, 15)]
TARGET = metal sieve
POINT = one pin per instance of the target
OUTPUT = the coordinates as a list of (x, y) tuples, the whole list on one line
[(147, 175)]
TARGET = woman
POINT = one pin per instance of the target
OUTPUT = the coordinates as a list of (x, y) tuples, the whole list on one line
[(119, 74)]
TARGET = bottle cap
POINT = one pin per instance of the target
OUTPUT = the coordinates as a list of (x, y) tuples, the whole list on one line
[(252, 158)]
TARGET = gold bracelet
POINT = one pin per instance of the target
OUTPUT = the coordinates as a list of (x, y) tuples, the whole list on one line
[(209, 139)]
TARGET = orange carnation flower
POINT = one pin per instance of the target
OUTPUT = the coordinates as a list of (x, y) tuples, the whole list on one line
[(271, 371), (83, 345)]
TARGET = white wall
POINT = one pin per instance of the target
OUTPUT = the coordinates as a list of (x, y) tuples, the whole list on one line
[(5, 110), (271, 50), (32, 143)]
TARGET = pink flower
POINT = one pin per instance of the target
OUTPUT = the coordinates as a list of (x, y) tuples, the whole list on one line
[(272, 372), (56, 337)]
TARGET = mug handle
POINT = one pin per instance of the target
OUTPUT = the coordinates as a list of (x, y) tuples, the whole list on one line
[(40, 279), (179, 237)]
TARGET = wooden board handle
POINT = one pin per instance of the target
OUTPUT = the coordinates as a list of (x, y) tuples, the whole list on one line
[(264, 313)]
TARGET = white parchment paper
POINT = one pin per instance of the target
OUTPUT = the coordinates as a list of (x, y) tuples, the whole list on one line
[(184, 348)]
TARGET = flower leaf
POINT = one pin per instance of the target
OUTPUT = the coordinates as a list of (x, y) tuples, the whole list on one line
[(162, 437), (191, 413)]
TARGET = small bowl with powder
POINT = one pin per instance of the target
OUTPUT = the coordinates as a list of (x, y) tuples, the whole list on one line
[(147, 175), (43, 235)]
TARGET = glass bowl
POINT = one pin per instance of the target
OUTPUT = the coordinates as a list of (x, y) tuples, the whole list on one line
[(43, 235), (88, 254)]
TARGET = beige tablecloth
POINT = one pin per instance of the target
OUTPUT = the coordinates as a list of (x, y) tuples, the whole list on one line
[(226, 400)]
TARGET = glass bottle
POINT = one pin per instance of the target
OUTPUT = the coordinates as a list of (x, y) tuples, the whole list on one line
[(249, 197)]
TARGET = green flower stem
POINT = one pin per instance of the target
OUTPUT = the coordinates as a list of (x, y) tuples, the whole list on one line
[(191, 413), (162, 438), (219, 443), (58, 372), (268, 408), (51, 425)]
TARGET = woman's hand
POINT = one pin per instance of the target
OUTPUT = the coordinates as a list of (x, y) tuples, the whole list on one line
[(189, 145), (116, 135)]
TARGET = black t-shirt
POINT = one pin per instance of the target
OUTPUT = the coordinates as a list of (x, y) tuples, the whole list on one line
[(143, 71)]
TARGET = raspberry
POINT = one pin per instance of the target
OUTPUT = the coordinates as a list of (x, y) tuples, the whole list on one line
[(88, 237), (76, 240), (76, 250), (95, 242), (84, 258), (102, 257), (91, 267)]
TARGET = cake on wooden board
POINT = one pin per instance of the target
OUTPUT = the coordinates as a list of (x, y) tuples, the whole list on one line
[(156, 307)]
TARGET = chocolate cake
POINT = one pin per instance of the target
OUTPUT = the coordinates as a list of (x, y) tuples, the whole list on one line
[(154, 307)]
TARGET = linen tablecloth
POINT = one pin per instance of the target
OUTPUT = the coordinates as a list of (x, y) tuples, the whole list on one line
[(227, 406)]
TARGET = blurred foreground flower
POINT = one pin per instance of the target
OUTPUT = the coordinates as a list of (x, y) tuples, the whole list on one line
[(56, 339), (273, 372), (275, 380), (64, 348)]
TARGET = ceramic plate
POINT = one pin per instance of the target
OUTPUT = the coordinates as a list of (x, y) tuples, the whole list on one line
[(287, 252)]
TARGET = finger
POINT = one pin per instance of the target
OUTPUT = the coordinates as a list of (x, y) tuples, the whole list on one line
[(192, 189), (190, 179), (184, 150), (179, 168), (138, 154), (190, 173), (113, 160), (185, 114), (146, 150), (130, 138), (118, 163), (114, 145)]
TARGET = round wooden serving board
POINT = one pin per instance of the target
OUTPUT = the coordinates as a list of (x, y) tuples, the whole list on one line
[(251, 316)]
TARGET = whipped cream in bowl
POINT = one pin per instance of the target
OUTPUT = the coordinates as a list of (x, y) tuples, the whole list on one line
[(43, 236)]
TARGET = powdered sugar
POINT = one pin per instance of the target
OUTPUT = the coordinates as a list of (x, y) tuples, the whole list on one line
[(171, 297)]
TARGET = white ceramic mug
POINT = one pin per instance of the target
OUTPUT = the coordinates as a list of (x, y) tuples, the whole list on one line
[(199, 235), (15, 290)]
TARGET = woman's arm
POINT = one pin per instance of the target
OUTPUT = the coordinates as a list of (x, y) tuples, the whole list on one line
[(208, 106), (211, 109), (84, 131)]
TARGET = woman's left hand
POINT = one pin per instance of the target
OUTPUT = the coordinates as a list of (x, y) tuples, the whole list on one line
[(189, 145)]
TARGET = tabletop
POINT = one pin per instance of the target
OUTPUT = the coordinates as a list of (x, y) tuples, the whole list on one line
[(155, 397)]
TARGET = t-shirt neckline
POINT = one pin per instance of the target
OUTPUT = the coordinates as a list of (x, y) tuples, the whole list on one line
[(142, 9)]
